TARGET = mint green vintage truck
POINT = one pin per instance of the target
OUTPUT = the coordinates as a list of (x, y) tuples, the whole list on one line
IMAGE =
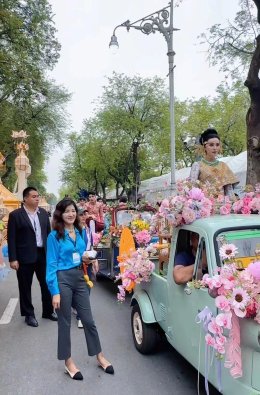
[(163, 305)]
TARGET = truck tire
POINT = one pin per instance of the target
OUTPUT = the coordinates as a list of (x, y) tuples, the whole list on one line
[(144, 335)]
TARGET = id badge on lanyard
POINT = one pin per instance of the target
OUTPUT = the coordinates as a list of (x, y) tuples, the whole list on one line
[(76, 258)]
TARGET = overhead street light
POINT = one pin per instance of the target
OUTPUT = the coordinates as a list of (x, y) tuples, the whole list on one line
[(160, 21)]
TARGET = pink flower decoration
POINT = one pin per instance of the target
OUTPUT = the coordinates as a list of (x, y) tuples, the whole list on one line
[(240, 312), (240, 298), (222, 303), (227, 251), (224, 210), (220, 340), (254, 270), (143, 237), (224, 320), (165, 203), (196, 194), (210, 341), (96, 238), (214, 328), (245, 210), (220, 349), (251, 309), (204, 212)]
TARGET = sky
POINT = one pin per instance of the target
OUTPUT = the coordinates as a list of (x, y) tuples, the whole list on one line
[(84, 31)]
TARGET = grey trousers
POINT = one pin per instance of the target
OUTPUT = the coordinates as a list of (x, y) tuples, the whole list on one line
[(74, 291)]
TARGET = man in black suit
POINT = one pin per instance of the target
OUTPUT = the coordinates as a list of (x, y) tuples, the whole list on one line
[(27, 231)]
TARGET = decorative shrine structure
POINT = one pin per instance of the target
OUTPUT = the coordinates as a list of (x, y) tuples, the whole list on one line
[(22, 164)]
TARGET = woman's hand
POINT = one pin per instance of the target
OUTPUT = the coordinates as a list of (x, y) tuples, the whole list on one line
[(85, 259), (95, 267), (56, 301)]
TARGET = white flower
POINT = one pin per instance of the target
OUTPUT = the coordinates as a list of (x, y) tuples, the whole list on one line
[(228, 251), (240, 298)]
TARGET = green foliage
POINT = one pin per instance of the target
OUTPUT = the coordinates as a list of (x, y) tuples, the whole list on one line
[(51, 198), (28, 99), (226, 112), (128, 117), (232, 46)]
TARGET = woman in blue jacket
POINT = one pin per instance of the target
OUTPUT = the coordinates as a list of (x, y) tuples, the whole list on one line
[(64, 276)]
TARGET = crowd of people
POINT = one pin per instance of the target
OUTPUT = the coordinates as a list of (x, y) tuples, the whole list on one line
[(58, 253)]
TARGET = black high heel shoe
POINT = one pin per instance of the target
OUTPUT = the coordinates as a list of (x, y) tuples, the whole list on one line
[(75, 376), (109, 369)]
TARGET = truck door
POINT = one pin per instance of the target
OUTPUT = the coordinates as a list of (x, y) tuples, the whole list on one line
[(187, 336)]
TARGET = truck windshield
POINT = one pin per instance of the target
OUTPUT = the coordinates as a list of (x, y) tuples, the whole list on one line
[(124, 217), (146, 216), (247, 242)]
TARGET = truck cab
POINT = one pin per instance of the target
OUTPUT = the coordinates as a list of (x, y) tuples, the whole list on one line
[(162, 304)]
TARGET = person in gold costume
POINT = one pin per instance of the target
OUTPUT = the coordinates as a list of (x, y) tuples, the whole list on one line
[(209, 170)]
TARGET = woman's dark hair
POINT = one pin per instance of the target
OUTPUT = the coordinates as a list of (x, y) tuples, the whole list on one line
[(209, 133), (58, 223)]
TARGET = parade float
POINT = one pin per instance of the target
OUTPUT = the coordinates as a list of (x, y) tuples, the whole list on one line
[(139, 221), (213, 320)]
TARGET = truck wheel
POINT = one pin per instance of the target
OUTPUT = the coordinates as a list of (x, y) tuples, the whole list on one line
[(144, 335)]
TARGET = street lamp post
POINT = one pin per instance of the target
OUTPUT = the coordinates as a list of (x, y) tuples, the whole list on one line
[(161, 21)]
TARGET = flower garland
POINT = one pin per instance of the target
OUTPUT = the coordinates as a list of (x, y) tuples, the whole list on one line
[(186, 207), (194, 201), (137, 268)]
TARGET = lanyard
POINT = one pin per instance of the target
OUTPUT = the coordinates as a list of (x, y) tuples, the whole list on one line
[(74, 242)]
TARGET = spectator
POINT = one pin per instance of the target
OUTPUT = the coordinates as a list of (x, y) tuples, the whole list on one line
[(66, 283), (27, 231)]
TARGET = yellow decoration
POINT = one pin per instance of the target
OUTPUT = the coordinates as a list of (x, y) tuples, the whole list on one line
[(162, 246), (139, 224), (89, 283)]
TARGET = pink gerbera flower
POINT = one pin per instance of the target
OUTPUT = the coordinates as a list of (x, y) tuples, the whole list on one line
[(240, 298), (227, 251)]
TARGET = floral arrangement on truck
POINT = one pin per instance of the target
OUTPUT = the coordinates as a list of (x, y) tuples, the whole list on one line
[(194, 201), (237, 295)]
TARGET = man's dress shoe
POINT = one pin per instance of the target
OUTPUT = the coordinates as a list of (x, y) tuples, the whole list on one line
[(52, 317), (31, 321)]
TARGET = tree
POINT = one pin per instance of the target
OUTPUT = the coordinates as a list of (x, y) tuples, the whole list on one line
[(101, 158), (28, 99), (28, 47), (234, 47), (129, 117)]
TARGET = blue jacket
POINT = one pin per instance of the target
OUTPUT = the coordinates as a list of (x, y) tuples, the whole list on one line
[(60, 256)]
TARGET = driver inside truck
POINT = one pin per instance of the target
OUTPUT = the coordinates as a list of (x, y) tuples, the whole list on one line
[(185, 260)]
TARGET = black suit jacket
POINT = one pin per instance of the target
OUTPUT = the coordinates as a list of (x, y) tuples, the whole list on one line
[(21, 237)]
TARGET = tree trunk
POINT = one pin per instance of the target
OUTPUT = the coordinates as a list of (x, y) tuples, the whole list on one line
[(103, 187), (136, 173), (253, 118)]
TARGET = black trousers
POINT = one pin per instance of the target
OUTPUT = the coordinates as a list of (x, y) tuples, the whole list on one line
[(74, 291), (25, 275)]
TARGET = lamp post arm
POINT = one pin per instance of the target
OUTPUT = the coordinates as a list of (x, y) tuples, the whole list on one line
[(160, 21)]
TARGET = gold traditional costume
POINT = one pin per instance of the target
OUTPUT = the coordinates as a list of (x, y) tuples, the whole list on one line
[(217, 174)]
